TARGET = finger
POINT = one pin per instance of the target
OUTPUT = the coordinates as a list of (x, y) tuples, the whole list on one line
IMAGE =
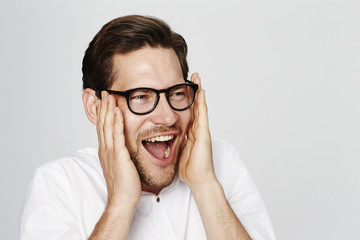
[(118, 133), (194, 108), (101, 110), (197, 80), (98, 104), (103, 106), (193, 76), (109, 122), (202, 110)]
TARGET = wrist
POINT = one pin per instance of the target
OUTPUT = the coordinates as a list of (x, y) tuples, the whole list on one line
[(119, 213), (117, 206), (120, 198), (210, 187)]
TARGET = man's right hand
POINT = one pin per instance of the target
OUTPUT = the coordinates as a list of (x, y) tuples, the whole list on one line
[(121, 176)]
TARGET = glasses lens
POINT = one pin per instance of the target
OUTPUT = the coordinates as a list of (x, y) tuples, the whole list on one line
[(142, 100), (181, 97)]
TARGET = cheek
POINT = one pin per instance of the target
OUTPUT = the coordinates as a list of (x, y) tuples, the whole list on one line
[(185, 119)]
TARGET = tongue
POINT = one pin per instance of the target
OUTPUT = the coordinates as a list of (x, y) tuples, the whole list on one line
[(157, 149)]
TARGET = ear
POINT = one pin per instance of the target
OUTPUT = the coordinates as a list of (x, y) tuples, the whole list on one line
[(89, 98)]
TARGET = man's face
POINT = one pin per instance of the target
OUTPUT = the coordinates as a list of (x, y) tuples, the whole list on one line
[(154, 140)]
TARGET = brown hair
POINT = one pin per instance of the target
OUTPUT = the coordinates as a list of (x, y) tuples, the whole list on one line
[(123, 35)]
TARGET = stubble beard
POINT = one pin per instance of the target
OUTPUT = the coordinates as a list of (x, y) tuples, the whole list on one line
[(163, 176)]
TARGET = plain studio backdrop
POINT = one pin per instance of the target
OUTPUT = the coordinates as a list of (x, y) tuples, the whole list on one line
[(282, 85)]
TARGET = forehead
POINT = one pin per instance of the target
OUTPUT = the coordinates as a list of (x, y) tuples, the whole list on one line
[(147, 67)]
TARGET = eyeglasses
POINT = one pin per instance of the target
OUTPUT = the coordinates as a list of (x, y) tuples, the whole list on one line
[(142, 101)]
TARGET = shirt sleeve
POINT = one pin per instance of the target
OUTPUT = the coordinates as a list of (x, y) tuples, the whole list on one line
[(46, 212), (241, 192)]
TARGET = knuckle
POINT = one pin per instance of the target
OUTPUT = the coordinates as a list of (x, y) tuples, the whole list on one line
[(107, 126)]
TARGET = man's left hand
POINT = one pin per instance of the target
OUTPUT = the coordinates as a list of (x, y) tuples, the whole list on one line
[(195, 163)]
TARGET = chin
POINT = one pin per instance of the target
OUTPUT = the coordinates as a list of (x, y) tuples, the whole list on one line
[(156, 155), (153, 174)]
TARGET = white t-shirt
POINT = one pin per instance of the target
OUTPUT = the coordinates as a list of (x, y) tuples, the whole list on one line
[(68, 195)]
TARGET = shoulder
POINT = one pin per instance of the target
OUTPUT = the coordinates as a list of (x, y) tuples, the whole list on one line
[(65, 177), (71, 166), (229, 167), (241, 191), (225, 156), (58, 193), (83, 157), (221, 148)]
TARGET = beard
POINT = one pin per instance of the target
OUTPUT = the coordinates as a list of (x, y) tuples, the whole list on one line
[(157, 177)]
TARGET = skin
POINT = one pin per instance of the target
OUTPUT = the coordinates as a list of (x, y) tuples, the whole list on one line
[(155, 69), (119, 132)]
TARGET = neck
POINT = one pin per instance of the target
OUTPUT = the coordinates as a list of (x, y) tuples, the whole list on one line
[(153, 190)]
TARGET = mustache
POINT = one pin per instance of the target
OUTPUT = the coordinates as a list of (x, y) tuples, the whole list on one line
[(158, 129)]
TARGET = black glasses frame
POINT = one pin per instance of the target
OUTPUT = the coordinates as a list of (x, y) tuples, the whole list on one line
[(127, 94)]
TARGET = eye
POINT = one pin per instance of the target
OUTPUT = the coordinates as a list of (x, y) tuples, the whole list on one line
[(139, 97), (142, 96), (178, 93)]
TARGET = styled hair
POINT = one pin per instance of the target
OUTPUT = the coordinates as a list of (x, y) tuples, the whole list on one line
[(123, 35)]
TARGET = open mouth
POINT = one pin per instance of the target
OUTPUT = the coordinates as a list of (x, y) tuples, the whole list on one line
[(160, 147)]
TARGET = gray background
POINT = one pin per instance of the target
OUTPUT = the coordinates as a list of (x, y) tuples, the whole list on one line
[(282, 82)]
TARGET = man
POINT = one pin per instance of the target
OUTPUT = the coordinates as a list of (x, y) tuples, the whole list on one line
[(156, 173)]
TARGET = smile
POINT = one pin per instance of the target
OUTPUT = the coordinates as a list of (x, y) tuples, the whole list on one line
[(160, 147)]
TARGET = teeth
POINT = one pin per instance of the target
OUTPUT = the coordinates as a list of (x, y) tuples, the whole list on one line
[(160, 138), (167, 152)]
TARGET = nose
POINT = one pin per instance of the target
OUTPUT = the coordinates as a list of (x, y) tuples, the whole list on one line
[(163, 114)]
